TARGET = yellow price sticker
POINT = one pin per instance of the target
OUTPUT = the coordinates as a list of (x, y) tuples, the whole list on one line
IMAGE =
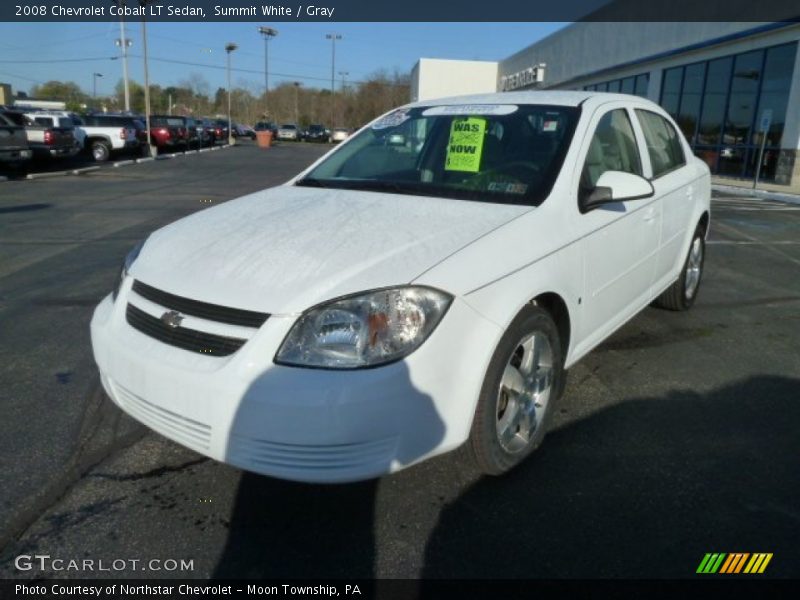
[(465, 147)]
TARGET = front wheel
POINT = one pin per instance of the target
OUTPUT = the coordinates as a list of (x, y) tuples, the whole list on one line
[(523, 381), (682, 294)]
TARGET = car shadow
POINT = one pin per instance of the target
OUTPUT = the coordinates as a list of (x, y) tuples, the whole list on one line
[(281, 529), (24, 208), (641, 489)]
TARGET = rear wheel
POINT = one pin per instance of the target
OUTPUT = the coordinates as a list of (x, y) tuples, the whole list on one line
[(682, 294), (523, 381), (101, 151)]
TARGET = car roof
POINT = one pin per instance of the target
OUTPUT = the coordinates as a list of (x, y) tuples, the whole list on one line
[(541, 97)]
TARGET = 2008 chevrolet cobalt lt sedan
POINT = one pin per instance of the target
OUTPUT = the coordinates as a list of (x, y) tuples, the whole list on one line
[(424, 285)]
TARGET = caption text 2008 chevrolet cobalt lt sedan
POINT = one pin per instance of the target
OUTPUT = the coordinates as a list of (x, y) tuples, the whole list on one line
[(425, 284)]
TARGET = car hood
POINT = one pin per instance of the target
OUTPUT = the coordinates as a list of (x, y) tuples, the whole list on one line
[(285, 249)]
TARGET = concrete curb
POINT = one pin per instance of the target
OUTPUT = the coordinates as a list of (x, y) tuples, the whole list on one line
[(120, 163), (741, 191), (46, 175), (84, 170)]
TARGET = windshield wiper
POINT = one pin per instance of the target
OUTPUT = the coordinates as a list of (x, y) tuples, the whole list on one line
[(312, 182)]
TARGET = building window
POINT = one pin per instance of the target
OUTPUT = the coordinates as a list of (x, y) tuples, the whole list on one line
[(642, 83), (629, 85), (714, 101), (691, 94), (671, 90), (719, 103)]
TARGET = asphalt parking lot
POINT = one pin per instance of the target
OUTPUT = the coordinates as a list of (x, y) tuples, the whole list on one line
[(677, 437)]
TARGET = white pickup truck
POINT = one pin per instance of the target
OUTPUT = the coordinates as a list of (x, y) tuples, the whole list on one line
[(108, 134)]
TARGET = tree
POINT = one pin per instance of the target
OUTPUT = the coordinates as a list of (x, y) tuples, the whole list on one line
[(68, 92)]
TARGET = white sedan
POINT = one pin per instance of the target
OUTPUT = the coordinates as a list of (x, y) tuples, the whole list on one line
[(424, 285)]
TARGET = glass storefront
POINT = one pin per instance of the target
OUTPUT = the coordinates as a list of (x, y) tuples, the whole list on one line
[(718, 105), (636, 85)]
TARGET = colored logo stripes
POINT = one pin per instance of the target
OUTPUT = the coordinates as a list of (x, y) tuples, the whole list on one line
[(735, 562)]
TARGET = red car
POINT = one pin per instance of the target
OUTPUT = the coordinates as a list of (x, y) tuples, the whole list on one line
[(167, 132)]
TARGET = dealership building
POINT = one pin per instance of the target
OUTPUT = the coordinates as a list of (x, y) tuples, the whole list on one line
[(731, 87)]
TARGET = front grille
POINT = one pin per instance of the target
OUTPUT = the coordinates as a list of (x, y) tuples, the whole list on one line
[(188, 339), (204, 310)]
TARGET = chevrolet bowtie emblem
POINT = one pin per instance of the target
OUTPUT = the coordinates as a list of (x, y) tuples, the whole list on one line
[(172, 319)]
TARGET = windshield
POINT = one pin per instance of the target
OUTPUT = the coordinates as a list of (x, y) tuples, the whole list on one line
[(493, 153)]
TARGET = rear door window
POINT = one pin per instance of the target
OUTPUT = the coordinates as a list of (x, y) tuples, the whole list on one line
[(663, 144)]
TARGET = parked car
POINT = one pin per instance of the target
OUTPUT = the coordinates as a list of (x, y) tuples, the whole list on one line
[(289, 131), (60, 120), (188, 130), (15, 155), (394, 302), (316, 133), (198, 136), (44, 141), (167, 133), (340, 134), (267, 126), (221, 130), (244, 131), (110, 134), (209, 129)]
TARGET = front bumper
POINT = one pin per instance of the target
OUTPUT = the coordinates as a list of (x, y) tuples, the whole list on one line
[(311, 425)]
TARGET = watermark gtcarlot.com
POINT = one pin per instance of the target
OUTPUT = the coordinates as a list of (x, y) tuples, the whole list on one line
[(45, 562)]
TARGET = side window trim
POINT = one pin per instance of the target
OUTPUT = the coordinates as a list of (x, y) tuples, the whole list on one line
[(641, 143)]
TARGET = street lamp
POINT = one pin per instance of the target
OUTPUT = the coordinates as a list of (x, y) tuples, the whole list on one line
[(124, 43), (152, 149), (229, 47), (267, 33), (343, 89), (333, 37), (94, 84), (297, 85)]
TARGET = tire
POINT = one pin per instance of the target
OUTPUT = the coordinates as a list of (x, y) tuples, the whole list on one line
[(501, 439), (16, 169), (683, 292), (101, 151)]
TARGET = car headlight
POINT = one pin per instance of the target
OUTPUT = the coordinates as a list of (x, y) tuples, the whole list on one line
[(364, 330), (130, 258)]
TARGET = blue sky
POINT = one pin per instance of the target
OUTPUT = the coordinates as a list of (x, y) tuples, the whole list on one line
[(300, 52)]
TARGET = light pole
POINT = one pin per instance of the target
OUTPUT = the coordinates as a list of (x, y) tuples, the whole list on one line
[(94, 84), (229, 47), (267, 33), (152, 149), (124, 43), (343, 88), (296, 111), (333, 37)]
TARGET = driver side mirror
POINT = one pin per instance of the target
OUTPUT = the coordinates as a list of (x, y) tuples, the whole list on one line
[(615, 186)]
